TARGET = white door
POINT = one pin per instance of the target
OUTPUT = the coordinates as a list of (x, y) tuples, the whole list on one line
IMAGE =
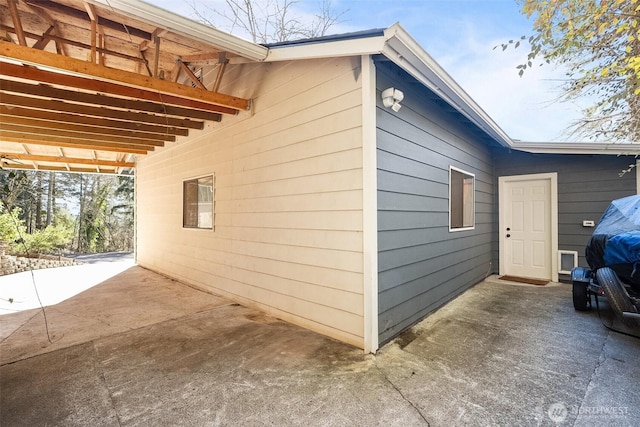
[(526, 226)]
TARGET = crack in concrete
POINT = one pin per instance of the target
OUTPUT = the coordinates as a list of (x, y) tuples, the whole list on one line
[(397, 389), (594, 374), (100, 372)]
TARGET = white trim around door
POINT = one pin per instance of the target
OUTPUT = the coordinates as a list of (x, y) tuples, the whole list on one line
[(551, 250)]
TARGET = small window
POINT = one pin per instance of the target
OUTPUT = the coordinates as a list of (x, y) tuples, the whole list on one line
[(461, 200), (197, 203)]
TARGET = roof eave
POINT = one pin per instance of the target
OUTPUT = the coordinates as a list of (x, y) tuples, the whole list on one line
[(186, 27), (339, 48), (617, 149), (407, 53)]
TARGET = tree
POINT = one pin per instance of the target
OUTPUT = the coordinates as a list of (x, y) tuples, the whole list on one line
[(103, 208), (269, 21), (11, 227), (598, 42)]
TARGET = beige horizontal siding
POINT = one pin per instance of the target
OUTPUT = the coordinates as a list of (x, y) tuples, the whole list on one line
[(288, 197)]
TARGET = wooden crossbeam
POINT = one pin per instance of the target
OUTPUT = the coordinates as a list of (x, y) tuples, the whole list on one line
[(36, 57), (9, 165), (48, 132), (191, 75), (38, 125), (7, 113), (63, 159), (105, 100), (73, 143), (42, 104), (34, 74)]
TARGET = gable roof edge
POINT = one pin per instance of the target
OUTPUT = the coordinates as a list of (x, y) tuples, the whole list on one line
[(407, 53)]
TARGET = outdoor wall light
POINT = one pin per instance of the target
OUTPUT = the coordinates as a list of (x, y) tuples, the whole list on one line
[(392, 97)]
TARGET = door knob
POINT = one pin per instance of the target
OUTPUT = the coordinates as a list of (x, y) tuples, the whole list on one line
[(508, 235)]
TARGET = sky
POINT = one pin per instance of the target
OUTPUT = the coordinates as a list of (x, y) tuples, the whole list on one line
[(461, 35)]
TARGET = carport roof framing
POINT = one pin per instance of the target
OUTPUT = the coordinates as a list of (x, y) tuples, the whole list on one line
[(88, 85)]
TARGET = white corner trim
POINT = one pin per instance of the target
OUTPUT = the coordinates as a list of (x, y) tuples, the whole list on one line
[(369, 205)]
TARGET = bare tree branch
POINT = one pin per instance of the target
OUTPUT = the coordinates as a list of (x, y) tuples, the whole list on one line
[(268, 21)]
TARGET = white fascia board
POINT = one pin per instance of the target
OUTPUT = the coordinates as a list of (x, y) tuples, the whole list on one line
[(327, 49), (614, 149), (185, 27), (407, 53)]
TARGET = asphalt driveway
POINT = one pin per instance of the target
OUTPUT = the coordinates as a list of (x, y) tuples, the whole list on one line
[(141, 349)]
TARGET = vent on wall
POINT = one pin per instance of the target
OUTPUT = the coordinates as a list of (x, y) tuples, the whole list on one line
[(567, 260)]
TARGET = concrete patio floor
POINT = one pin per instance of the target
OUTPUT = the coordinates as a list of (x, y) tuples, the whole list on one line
[(141, 349)]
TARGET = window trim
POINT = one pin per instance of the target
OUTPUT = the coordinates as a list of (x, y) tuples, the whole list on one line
[(184, 203), (473, 202)]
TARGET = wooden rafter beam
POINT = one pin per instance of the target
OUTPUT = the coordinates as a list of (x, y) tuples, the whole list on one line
[(104, 100), (73, 143), (47, 36), (49, 132), (223, 61), (63, 159), (36, 57), (9, 113), (93, 16), (200, 57), (64, 107), (35, 124), (156, 55), (60, 48), (9, 165), (83, 15), (34, 74), (17, 23)]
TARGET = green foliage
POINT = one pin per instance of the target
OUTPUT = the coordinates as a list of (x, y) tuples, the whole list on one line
[(102, 219), (11, 227), (50, 240), (598, 42)]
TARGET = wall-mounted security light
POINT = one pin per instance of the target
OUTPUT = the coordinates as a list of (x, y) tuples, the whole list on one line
[(392, 97)]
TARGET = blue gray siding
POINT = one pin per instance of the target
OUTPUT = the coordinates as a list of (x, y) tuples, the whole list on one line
[(586, 186), (421, 264)]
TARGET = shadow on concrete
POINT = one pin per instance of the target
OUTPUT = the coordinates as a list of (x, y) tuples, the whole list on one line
[(142, 349)]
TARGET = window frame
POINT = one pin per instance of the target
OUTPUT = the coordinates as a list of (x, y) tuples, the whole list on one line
[(188, 223), (463, 227)]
